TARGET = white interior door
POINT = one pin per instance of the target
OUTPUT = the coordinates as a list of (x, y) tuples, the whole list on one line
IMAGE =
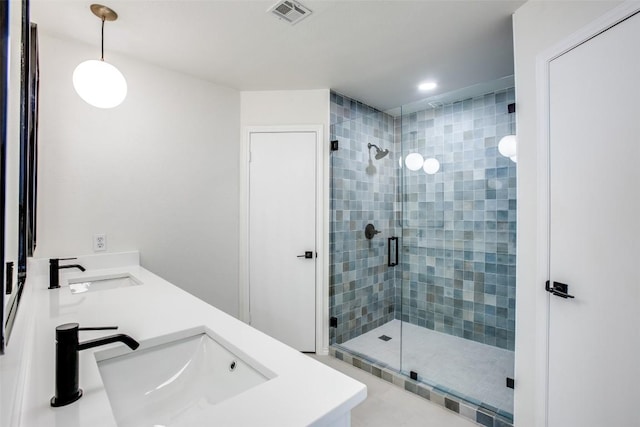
[(282, 227), (594, 339)]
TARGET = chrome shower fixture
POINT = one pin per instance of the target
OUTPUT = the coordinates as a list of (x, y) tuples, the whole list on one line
[(379, 153)]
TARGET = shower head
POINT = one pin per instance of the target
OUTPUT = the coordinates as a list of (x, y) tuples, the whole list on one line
[(379, 153)]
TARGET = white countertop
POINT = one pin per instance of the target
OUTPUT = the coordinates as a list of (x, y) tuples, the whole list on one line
[(303, 392)]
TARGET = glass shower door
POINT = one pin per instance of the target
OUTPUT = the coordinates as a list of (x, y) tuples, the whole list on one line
[(458, 250)]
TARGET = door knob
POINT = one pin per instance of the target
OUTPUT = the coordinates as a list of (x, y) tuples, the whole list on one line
[(558, 289), (307, 255)]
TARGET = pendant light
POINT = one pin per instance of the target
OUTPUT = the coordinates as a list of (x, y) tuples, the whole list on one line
[(414, 161), (96, 81), (431, 166), (508, 145)]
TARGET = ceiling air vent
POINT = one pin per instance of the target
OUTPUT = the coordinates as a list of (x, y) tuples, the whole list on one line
[(291, 11)]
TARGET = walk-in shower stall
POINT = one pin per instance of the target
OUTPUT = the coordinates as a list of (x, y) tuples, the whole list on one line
[(423, 247)]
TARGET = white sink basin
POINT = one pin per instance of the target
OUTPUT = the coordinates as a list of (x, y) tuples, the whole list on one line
[(102, 283), (174, 383)]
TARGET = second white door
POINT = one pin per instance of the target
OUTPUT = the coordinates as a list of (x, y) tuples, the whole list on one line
[(594, 338), (282, 236)]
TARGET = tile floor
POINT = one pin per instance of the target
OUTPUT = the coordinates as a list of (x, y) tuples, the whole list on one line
[(453, 364), (388, 405)]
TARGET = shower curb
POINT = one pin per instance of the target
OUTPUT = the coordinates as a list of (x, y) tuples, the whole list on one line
[(488, 417)]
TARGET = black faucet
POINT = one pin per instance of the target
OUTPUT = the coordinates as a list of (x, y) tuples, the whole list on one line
[(54, 269), (67, 353)]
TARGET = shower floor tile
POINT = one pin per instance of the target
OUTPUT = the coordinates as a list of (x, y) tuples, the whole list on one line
[(454, 364)]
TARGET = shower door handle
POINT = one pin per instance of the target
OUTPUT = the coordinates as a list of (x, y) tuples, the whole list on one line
[(389, 243)]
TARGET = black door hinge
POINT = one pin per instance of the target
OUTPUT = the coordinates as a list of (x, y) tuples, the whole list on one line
[(333, 322)]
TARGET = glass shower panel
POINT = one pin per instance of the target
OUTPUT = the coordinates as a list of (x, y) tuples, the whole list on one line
[(458, 249), (364, 212)]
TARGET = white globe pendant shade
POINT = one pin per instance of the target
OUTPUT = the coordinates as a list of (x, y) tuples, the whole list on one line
[(508, 146), (431, 166), (100, 84), (514, 159), (414, 161)]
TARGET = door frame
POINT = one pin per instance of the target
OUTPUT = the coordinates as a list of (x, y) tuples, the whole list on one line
[(322, 228), (543, 299)]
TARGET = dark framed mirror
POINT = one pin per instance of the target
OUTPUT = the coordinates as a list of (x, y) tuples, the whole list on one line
[(4, 78), (28, 148), (31, 178), (21, 142)]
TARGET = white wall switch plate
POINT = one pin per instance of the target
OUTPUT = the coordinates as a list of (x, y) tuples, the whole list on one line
[(99, 242)]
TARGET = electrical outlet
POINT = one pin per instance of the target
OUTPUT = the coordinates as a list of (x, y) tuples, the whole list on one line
[(99, 242)]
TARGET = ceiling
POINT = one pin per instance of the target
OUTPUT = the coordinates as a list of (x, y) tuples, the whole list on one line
[(373, 51)]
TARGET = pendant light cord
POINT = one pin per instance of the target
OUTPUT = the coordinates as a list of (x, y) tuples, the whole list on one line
[(102, 44)]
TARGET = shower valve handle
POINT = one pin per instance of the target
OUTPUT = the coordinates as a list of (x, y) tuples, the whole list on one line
[(370, 231)]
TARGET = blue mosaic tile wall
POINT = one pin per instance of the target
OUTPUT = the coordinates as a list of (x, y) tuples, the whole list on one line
[(459, 225), (363, 191)]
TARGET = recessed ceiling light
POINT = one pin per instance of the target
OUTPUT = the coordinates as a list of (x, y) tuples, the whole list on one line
[(427, 86)]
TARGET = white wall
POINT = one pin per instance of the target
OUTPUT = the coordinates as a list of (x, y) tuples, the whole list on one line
[(158, 173), (285, 107), (538, 25)]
